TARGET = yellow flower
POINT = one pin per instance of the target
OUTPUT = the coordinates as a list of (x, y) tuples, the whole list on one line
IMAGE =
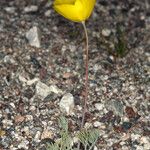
[(75, 10)]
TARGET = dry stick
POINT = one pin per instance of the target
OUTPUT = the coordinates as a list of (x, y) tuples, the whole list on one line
[(86, 80)]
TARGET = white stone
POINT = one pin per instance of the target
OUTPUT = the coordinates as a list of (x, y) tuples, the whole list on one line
[(46, 134), (106, 32), (95, 148), (97, 124), (37, 136), (42, 89), (9, 59), (55, 89), (87, 125), (10, 9), (47, 13), (12, 105), (24, 144), (29, 118), (32, 8), (145, 139), (135, 136), (30, 82), (34, 37), (99, 106), (27, 82), (67, 104), (32, 108), (139, 147)]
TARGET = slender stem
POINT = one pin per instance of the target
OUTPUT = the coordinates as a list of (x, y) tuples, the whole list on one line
[(86, 79), (86, 76)]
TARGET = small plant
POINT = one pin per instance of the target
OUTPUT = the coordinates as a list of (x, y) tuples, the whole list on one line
[(78, 11), (120, 45), (88, 138)]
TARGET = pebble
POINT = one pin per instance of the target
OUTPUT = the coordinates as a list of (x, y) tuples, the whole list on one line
[(116, 106), (37, 136), (24, 144), (55, 89), (47, 13), (97, 124), (9, 59), (139, 147), (34, 37), (29, 118), (19, 119), (27, 82), (99, 106), (46, 134), (26, 130), (67, 104), (43, 90), (7, 123), (135, 137), (32, 8), (10, 10), (32, 108), (145, 140), (106, 32)]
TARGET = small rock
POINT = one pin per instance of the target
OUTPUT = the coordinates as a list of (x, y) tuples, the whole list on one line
[(26, 130), (42, 89), (19, 119), (2, 133), (47, 13), (37, 136), (99, 106), (9, 59), (145, 140), (29, 118), (139, 147), (10, 10), (32, 108), (7, 123), (24, 144), (97, 124), (106, 32), (126, 125), (135, 137), (34, 37), (32, 8), (30, 82), (27, 82), (46, 134), (116, 106), (67, 75), (67, 104), (55, 89)]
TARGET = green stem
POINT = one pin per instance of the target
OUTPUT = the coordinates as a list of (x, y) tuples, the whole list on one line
[(86, 79), (86, 75)]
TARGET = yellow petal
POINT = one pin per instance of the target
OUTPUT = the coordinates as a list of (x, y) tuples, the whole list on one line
[(71, 11), (89, 5), (59, 2), (75, 10)]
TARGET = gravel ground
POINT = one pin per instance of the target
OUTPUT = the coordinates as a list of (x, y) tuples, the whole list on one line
[(37, 76)]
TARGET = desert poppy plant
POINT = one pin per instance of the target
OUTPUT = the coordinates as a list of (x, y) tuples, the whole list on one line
[(74, 10), (78, 11)]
